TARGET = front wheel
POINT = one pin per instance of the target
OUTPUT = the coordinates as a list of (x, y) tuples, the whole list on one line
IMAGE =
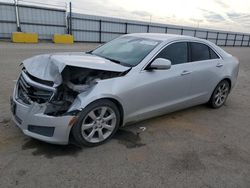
[(97, 123), (220, 94)]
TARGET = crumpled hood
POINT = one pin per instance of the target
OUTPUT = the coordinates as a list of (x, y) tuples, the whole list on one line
[(49, 66)]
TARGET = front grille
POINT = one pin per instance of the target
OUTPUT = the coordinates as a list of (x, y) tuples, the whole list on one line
[(45, 82), (28, 92)]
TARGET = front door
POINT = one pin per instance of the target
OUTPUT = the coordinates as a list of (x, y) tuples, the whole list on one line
[(159, 91)]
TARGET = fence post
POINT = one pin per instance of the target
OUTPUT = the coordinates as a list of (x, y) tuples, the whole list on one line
[(100, 31), (68, 32), (166, 30), (17, 16), (217, 38), (248, 41), (67, 19), (181, 31), (226, 40), (126, 28), (235, 39), (242, 40), (207, 35), (148, 29), (195, 32), (70, 18)]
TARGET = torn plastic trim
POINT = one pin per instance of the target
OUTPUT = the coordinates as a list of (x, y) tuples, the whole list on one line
[(73, 121), (73, 112), (78, 87)]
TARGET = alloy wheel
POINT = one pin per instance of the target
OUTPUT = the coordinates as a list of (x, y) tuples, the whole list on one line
[(221, 94), (98, 124)]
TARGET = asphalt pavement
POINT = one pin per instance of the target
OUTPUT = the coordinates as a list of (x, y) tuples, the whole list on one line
[(196, 147)]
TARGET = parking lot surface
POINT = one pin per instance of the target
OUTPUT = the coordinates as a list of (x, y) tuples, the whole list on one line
[(196, 147)]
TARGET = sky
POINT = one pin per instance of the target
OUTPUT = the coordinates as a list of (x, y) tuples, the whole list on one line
[(228, 15)]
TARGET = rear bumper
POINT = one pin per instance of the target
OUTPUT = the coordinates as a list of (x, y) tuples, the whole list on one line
[(234, 73), (34, 123)]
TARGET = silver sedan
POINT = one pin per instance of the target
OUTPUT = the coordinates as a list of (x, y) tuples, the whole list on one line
[(134, 77)]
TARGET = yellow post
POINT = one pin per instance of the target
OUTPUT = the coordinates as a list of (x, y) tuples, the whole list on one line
[(63, 39), (21, 37)]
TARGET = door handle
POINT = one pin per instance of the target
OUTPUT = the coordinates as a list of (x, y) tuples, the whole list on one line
[(219, 65), (185, 72)]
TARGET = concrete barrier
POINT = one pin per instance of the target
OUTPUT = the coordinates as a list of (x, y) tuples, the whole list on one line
[(21, 37), (63, 39)]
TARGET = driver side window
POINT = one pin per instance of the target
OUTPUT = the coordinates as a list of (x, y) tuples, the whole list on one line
[(177, 53)]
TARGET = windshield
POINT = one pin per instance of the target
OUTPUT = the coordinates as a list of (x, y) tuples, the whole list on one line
[(127, 51)]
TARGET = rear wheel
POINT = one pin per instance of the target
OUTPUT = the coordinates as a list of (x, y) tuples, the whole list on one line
[(97, 123), (220, 94)]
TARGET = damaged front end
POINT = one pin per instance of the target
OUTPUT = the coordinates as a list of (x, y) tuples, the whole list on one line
[(57, 99), (49, 87)]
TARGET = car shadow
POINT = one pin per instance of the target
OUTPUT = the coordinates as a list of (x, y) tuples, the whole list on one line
[(129, 136), (125, 137)]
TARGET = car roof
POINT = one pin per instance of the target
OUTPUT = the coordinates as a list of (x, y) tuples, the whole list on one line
[(162, 36), (171, 37)]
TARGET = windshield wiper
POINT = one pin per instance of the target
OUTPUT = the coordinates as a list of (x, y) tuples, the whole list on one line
[(117, 61), (113, 60), (110, 59), (89, 52)]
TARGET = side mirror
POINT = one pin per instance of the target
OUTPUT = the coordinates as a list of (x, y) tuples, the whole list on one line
[(160, 64)]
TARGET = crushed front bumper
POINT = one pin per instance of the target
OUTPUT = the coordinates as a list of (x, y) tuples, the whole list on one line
[(34, 123)]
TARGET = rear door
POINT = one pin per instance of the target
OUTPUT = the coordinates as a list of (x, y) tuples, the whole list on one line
[(207, 68)]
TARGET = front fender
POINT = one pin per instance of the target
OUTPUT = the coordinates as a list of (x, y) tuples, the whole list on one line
[(101, 90)]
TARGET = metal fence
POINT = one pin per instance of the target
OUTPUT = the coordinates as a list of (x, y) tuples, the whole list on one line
[(89, 28), (42, 20)]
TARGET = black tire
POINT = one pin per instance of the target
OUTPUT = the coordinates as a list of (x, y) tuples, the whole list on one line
[(218, 91), (79, 135)]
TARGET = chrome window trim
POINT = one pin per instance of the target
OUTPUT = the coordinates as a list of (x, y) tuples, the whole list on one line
[(176, 41)]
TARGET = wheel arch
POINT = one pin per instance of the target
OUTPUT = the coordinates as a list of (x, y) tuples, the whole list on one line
[(226, 79), (115, 101), (229, 81), (118, 104)]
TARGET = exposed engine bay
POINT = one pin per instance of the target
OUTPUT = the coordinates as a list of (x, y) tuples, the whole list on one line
[(75, 80)]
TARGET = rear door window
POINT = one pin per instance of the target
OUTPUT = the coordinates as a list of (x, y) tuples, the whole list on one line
[(201, 52), (213, 55)]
